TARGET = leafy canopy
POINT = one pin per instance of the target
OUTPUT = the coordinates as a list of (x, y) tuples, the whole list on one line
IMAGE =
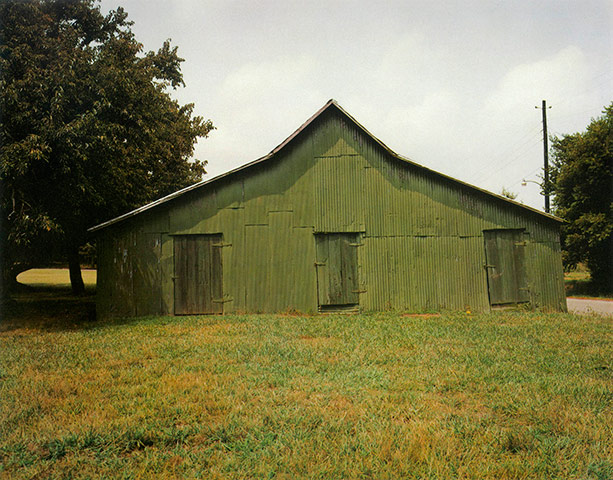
[(89, 129), (582, 182)]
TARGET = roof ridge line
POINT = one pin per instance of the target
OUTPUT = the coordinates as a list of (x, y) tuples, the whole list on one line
[(283, 144)]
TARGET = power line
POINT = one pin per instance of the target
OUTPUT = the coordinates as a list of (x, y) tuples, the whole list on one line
[(517, 154)]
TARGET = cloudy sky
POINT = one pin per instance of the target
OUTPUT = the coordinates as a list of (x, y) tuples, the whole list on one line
[(452, 85)]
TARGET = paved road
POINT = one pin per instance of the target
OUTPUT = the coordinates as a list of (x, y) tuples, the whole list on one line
[(588, 305)]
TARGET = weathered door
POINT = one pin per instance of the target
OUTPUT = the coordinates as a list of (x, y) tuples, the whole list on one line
[(337, 269), (506, 270), (198, 274)]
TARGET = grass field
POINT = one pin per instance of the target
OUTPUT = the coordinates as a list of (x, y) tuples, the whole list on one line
[(55, 278), (500, 396)]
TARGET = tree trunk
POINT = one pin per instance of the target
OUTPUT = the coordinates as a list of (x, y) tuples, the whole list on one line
[(74, 266)]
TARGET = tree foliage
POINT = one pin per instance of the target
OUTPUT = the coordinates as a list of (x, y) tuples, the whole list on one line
[(89, 129), (582, 182), (508, 194)]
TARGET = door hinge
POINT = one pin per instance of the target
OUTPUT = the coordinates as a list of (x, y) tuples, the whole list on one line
[(356, 244), (359, 291), (521, 244), (222, 300), (489, 266), (320, 264), (220, 245)]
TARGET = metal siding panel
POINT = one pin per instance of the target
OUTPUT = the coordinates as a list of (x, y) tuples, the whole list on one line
[(256, 268), (146, 254), (301, 256), (257, 193), (230, 194), (104, 274), (424, 273), (283, 185), (194, 215), (167, 274), (284, 261), (339, 182), (546, 276), (301, 190), (231, 226), (180, 269), (154, 221), (121, 290), (278, 266)]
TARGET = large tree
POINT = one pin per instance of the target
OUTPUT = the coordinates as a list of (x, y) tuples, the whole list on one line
[(582, 182), (88, 131)]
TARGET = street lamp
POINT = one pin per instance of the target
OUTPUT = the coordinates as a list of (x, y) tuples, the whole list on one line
[(525, 182)]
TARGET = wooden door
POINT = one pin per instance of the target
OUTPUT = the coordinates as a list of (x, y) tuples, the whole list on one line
[(198, 274), (506, 270), (337, 269)]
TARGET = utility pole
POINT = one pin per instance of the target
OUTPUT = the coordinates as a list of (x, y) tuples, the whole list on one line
[(545, 185)]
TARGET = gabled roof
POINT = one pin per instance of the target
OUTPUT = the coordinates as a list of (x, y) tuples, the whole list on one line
[(331, 104)]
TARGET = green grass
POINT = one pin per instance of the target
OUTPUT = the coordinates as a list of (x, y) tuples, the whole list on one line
[(55, 279), (500, 396)]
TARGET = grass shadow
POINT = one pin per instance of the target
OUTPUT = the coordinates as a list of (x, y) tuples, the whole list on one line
[(585, 288), (48, 307), (578, 283)]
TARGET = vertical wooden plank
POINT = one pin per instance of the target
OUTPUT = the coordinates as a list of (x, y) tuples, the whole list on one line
[(507, 281), (337, 271), (180, 274), (216, 272), (491, 256), (198, 274), (335, 288), (167, 273), (322, 269), (519, 254), (349, 265), (202, 296)]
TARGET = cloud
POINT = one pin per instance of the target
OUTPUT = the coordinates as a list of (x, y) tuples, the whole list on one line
[(246, 108), (553, 78), (269, 79)]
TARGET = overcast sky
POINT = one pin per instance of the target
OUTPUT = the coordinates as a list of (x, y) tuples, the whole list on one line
[(450, 84)]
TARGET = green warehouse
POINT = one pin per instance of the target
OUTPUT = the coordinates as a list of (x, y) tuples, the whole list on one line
[(330, 220)]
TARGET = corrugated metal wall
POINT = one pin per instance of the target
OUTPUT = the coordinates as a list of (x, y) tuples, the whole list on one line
[(422, 235)]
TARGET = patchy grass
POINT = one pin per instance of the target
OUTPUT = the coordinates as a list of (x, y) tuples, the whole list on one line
[(500, 396)]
